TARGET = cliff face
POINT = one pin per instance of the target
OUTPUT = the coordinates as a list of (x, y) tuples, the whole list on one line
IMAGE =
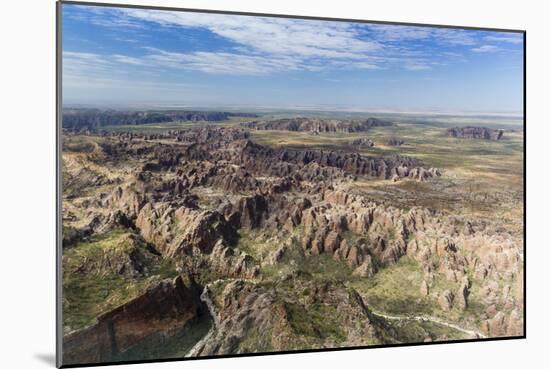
[(481, 133), (165, 309)]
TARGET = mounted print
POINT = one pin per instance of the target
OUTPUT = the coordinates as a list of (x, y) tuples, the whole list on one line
[(238, 184)]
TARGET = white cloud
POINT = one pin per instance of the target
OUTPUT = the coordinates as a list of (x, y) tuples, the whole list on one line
[(130, 40), (79, 63), (299, 38), (93, 65), (79, 57), (453, 36), (400, 33), (417, 66), (272, 44), (262, 45), (448, 36), (510, 38), (366, 65), (485, 49), (127, 59), (222, 62)]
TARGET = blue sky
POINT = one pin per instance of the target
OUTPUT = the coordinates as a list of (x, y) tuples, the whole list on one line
[(137, 56)]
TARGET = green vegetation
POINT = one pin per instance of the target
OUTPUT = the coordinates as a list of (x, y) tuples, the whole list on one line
[(418, 331), (395, 289), (89, 292), (118, 240), (176, 346), (315, 320), (257, 340), (324, 267), (256, 244), (84, 298)]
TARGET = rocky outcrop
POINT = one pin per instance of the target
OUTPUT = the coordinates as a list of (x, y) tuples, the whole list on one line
[(227, 159), (227, 262), (235, 181), (253, 318), (163, 310), (249, 212), (183, 231), (311, 164), (424, 288), (126, 255), (420, 174), (502, 324), (463, 293), (96, 223), (395, 142), (303, 124), (125, 200), (212, 135), (367, 268), (381, 233), (362, 142), (475, 133), (446, 300)]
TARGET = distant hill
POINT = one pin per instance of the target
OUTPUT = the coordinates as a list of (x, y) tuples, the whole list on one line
[(96, 118)]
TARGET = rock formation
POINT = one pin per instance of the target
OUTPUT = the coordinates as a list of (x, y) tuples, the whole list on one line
[(395, 142), (446, 300), (475, 133), (243, 310), (362, 142), (317, 124)]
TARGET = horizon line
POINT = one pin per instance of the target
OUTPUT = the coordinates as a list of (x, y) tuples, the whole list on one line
[(296, 108)]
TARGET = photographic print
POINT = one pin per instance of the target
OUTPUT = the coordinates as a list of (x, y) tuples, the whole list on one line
[(236, 184)]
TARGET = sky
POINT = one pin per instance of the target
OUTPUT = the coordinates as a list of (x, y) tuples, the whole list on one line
[(128, 56)]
